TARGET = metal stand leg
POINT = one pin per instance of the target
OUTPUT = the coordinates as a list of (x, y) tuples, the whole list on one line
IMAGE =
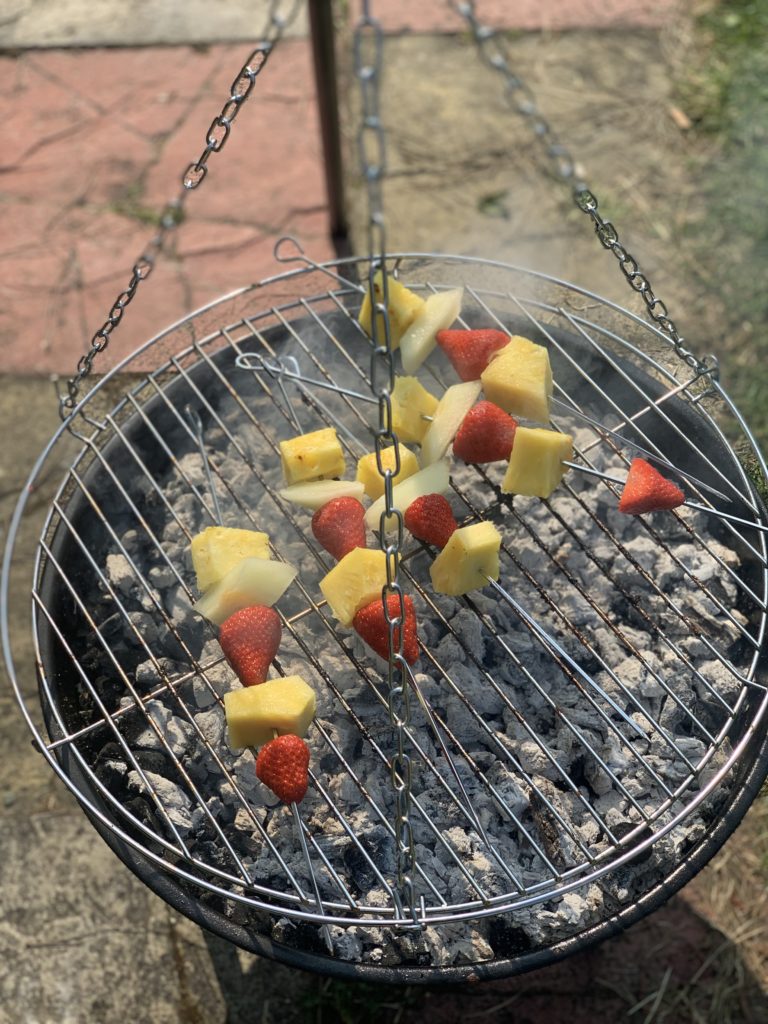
[(324, 58)]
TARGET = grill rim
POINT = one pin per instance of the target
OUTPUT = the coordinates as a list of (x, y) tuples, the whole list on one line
[(476, 968)]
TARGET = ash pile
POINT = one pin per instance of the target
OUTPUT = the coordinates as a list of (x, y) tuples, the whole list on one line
[(579, 763)]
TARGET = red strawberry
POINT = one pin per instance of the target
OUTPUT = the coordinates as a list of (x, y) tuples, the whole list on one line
[(339, 526), (471, 351), (486, 434), (250, 639), (646, 490), (282, 765), (371, 625), (430, 518)]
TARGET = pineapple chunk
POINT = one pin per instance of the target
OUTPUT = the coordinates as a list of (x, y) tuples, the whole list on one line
[(254, 713), (403, 306), (354, 582), (316, 493), (252, 581), (411, 402), (519, 379), (467, 560), (315, 456), (536, 463), (439, 312), (219, 548), (368, 471), (451, 410), (434, 479)]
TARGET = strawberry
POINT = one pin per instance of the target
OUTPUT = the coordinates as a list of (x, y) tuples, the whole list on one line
[(486, 434), (339, 526), (646, 490), (250, 639), (282, 765), (471, 351), (371, 625), (430, 518)]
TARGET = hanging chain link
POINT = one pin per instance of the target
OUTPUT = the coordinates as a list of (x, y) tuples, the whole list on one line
[(368, 52), (493, 49), (172, 213)]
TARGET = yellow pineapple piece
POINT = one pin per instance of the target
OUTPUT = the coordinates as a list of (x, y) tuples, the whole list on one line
[(403, 306), (354, 582), (368, 471), (519, 379), (411, 402), (536, 463), (314, 456), (469, 557), (253, 713), (219, 548)]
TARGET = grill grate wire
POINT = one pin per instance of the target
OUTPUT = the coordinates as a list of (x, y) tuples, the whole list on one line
[(322, 892)]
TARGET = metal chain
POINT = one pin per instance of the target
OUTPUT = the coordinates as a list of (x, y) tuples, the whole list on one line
[(194, 175), (368, 51), (493, 50)]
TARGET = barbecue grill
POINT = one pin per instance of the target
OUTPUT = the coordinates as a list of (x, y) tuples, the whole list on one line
[(576, 740)]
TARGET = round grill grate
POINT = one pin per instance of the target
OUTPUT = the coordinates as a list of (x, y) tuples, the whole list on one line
[(578, 734)]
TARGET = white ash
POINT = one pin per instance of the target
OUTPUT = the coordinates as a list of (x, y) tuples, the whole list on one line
[(541, 751)]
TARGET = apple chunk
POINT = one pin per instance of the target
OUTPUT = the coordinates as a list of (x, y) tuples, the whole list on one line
[(316, 493), (434, 479), (451, 410), (252, 581), (438, 313)]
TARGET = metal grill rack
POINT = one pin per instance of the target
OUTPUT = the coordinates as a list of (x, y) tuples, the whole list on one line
[(673, 733)]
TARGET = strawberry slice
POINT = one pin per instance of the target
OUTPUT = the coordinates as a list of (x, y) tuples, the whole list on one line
[(486, 434), (471, 351), (646, 490), (430, 518), (339, 526), (282, 765), (371, 625), (250, 639)]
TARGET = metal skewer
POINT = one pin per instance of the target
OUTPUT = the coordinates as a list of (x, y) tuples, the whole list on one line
[(196, 423), (255, 362)]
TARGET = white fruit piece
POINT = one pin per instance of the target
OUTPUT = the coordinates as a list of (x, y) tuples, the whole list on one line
[(434, 479), (254, 713), (368, 471), (411, 402), (403, 306), (354, 582), (316, 493), (252, 581), (314, 456), (536, 464), (467, 560), (219, 548), (451, 410), (439, 312), (519, 379)]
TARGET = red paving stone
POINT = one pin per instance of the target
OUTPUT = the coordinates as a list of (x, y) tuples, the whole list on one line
[(99, 141), (96, 141)]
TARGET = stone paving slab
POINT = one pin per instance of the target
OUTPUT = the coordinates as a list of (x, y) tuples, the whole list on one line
[(99, 142), (46, 23)]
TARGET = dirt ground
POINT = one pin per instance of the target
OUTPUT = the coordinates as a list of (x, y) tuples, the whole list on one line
[(466, 176)]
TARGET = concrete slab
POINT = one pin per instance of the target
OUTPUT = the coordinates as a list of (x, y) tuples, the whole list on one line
[(46, 23), (101, 139)]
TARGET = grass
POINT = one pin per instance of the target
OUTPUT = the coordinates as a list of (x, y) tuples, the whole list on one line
[(724, 91)]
